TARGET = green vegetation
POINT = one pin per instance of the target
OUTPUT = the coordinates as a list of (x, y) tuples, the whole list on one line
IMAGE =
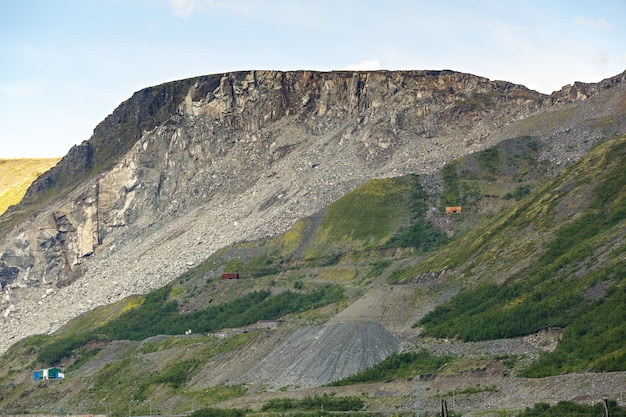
[(81, 357), (235, 412), (570, 409), (175, 375), (420, 234), (117, 378), (397, 365), (62, 347), (140, 377), (520, 307), (158, 315), (364, 218), (566, 286), (451, 193), (378, 268), (489, 311), (260, 265), (218, 412), (487, 179), (519, 193), (324, 402), (592, 342), (469, 390), (222, 393), (489, 160), (382, 213)]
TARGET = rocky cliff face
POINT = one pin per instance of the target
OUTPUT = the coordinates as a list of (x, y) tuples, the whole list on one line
[(182, 169)]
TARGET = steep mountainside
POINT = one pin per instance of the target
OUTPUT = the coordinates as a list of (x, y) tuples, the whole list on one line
[(183, 169)]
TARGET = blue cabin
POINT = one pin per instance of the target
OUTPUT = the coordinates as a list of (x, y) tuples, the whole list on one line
[(50, 373)]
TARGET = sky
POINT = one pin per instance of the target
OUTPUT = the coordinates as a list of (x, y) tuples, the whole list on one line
[(67, 64)]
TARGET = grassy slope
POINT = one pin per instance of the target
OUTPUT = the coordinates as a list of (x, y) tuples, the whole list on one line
[(16, 175), (361, 222), (555, 260)]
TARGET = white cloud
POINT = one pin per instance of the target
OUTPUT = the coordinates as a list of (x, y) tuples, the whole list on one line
[(366, 65), (599, 24), (183, 8)]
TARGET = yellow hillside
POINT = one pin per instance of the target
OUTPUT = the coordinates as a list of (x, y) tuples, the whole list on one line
[(17, 174)]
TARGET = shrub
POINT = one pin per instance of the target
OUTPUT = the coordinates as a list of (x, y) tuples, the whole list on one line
[(157, 316), (218, 412), (325, 402), (570, 409), (397, 365)]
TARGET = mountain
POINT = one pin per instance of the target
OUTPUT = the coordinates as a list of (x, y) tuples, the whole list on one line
[(17, 175), (269, 174)]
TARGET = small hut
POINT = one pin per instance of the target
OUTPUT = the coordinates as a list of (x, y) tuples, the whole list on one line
[(230, 276), (50, 373)]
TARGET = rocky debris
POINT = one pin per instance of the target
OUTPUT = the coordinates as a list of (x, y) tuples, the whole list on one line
[(470, 395), (202, 163), (316, 355), (523, 347)]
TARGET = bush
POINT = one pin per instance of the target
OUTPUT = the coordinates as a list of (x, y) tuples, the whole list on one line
[(519, 193), (157, 316), (60, 348), (420, 234), (218, 412), (570, 409), (397, 365), (325, 402)]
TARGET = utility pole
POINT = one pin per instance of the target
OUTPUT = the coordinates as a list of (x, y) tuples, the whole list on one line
[(453, 403), (605, 404), (444, 408)]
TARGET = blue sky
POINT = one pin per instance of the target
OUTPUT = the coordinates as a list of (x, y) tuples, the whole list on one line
[(66, 64)]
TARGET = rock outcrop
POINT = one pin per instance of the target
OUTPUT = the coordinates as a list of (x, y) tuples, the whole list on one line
[(182, 169)]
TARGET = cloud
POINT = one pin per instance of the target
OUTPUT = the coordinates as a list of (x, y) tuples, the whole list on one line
[(598, 24), (183, 8), (366, 65)]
